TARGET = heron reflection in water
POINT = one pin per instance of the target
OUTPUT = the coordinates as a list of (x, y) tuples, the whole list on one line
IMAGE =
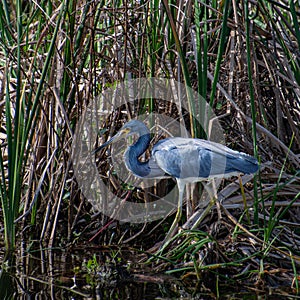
[(187, 160)]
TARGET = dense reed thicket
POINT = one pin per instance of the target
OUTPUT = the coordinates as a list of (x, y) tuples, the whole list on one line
[(241, 56)]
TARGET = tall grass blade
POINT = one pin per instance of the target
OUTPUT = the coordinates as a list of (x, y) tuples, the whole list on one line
[(252, 102), (191, 100), (224, 33)]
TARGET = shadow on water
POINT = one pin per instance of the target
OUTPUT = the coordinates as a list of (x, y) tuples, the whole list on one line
[(102, 273)]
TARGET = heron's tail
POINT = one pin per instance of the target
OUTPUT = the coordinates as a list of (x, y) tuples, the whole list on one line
[(243, 163)]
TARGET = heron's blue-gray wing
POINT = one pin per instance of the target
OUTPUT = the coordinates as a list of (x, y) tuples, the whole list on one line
[(155, 171), (195, 158)]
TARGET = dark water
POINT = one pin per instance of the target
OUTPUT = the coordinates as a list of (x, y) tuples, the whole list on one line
[(103, 273), (11, 289)]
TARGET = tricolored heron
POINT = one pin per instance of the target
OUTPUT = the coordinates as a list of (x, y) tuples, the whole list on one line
[(187, 160)]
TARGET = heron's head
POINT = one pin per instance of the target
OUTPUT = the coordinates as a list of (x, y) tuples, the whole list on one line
[(132, 127)]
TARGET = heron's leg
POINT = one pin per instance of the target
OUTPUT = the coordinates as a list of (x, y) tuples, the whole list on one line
[(181, 186), (214, 195), (191, 196), (212, 201)]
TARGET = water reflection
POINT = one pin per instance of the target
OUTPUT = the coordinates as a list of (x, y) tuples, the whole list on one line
[(99, 273)]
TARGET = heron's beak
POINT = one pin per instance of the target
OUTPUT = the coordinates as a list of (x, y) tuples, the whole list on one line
[(115, 138)]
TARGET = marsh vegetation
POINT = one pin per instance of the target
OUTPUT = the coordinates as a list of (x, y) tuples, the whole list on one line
[(242, 57)]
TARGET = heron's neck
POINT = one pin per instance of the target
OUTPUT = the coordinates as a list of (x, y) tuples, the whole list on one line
[(140, 169)]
